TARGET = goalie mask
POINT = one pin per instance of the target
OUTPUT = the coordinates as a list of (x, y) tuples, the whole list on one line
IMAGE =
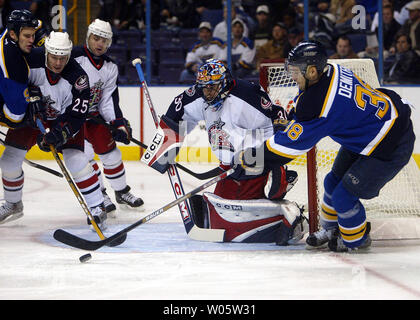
[(101, 29), (59, 45), (214, 82)]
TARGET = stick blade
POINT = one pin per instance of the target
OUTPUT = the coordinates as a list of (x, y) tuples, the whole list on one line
[(76, 242)]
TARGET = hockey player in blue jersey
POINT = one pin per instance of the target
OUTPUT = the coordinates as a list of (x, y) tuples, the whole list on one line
[(373, 127), (15, 43)]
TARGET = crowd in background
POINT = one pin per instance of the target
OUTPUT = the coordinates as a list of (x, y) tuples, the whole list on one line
[(268, 30)]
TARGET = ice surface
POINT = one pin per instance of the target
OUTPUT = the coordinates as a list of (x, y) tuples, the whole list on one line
[(158, 261)]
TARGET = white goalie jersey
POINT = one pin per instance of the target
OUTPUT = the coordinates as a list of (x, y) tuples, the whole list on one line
[(245, 119)]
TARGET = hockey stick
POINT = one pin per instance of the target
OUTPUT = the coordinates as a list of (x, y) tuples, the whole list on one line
[(217, 235), (201, 176), (184, 208), (36, 165), (74, 188)]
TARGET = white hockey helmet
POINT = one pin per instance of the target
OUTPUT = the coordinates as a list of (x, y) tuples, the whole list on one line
[(59, 44), (102, 29)]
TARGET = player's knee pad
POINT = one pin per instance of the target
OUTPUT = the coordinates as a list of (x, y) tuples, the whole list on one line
[(11, 162), (111, 158), (77, 163), (88, 150), (279, 182), (251, 220)]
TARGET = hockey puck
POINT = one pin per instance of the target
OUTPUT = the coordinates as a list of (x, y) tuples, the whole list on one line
[(85, 257)]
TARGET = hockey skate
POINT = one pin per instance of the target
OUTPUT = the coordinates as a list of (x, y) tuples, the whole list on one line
[(100, 216), (109, 205), (125, 197), (337, 244), (320, 238), (11, 211)]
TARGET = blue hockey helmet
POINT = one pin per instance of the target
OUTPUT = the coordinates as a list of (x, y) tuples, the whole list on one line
[(308, 53), (214, 72), (19, 19)]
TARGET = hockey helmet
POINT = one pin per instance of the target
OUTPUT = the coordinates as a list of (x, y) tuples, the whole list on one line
[(19, 19), (59, 44), (308, 53), (102, 29), (212, 72)]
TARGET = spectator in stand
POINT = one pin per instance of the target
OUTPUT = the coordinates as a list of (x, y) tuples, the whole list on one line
[(220, 31), (243, 51), (277, 47), (412, 25), (390, 26), (206, 48), (264, 26), (405, 67), (5, 10), (290, 19), (179, 13), (294, 36), (344, 49)]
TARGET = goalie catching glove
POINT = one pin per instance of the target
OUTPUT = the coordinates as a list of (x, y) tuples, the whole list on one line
[(164, 146), (121, 130), (56, 137)]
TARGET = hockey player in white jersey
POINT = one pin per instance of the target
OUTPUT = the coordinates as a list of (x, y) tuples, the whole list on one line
[(64, 88), (237, 114), (103, 74)]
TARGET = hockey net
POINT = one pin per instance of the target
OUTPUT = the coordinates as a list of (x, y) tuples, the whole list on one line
[(395, 213)]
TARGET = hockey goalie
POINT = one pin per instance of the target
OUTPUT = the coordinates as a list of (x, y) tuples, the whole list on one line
[(237, 115)]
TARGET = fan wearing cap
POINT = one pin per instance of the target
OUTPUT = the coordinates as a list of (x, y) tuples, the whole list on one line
[(16, 43), (64, 88), (262, 31), (207, 47), (412, 25)]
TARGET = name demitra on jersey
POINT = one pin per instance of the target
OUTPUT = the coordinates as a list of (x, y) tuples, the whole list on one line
[(325, 109)]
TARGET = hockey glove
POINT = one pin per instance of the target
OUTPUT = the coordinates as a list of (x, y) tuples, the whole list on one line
[(57, 137), (249, 160), (37, 107), (122, 132)]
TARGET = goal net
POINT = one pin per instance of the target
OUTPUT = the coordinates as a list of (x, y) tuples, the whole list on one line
[(395, 213)]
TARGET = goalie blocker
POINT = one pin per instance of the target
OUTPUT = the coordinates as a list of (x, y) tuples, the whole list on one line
[(165, 145)]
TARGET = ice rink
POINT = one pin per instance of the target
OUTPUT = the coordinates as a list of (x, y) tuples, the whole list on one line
[(159, 262)]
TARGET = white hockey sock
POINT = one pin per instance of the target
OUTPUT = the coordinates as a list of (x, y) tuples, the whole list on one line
[(114, 170)]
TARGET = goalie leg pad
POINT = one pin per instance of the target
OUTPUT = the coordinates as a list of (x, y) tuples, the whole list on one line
[(250, 220)]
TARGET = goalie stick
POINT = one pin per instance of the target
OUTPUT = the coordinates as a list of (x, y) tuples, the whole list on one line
[(201, 176), (36, 165), (192, 230), (75, 189), (216, 235)]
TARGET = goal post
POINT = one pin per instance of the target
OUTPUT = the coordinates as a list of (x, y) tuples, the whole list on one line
[(396, 208)]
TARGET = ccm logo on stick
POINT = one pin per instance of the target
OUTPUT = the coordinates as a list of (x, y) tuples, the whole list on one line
[(156, 141)]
